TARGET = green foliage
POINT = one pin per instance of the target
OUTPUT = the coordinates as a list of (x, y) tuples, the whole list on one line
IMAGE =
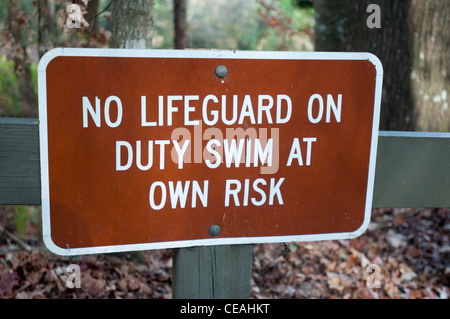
[(33, 70), (287, 26), (163, 25), (24, 216), (20, 218), (237, 24), (231, 24), (9, 93), (9, 90)]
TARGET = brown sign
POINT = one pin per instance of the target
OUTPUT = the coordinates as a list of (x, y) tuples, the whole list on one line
[(156, 149)]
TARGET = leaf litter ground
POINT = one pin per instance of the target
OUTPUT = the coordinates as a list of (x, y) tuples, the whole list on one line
[(403, 254)]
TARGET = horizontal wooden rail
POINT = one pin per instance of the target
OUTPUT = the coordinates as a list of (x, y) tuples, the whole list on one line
[(413, 168), (20, 178)]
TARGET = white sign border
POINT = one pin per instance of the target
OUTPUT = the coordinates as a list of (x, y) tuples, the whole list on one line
[(206, 54)]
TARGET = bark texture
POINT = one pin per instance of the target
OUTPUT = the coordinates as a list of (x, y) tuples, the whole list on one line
[(179, 10), (413, 46), (132, 24), (22, 60)]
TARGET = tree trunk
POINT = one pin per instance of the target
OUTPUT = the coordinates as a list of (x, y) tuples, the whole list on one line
[(22, 61), (91, 16), (431, 75), (44, 27), (132, 24), (406, 29), (179, 13)]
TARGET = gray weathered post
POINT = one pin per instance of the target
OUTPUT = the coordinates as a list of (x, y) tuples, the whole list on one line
[(212, 272)]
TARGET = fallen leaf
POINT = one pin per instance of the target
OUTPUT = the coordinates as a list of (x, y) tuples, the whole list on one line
[(8, 280), (394, 239)]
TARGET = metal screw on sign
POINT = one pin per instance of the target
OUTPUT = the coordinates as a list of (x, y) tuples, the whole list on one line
[(214, 230), (221, 71)]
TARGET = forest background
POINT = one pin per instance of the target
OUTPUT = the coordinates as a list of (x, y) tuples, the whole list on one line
[(411, 38)]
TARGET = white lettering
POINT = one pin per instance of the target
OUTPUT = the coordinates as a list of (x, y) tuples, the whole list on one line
[(311, 118), (286, 98), (214, 113), (214, 153), (144, 113), (162, 151), (119, 111), (189, 109), (265, 108), (213, 110), (332, 106), (180, 152), (151, 195), (309, 141), (119, 166), (259, 191), (232, 192), (178, 194), (87, 107), (275, 191), (197, 192), (263, 155), (247, 110), (138, 156), (233, 189), (232, 152), (170, 108), (296, 152)]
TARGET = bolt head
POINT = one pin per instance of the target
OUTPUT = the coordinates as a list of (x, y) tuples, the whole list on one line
[(214, 230), (221, 71)]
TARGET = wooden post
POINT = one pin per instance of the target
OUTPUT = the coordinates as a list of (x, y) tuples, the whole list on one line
[(212, 272)]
